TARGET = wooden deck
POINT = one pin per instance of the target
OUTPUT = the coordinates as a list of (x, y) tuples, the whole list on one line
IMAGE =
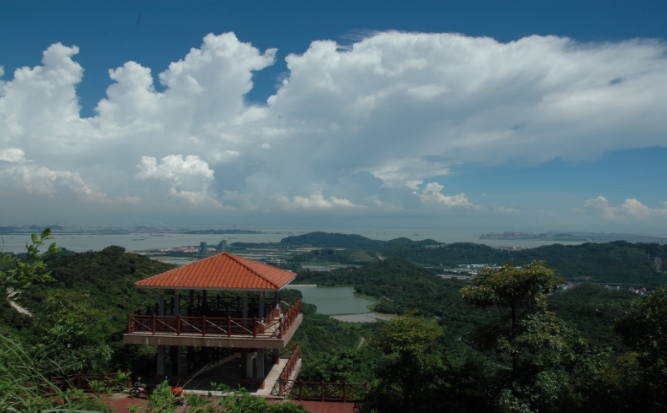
[(177, 330), (266, 339)]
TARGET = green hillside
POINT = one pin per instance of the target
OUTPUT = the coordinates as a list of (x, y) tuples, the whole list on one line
[(332, 240), (614, 262), (402, 286), (593, 309), (106, 276)]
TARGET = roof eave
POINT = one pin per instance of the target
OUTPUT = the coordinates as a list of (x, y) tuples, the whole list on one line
[(172, 287)]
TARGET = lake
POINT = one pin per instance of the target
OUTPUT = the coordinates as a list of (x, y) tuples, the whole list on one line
[(333, 300)]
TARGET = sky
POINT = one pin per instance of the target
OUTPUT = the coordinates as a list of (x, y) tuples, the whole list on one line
[(463, 115)]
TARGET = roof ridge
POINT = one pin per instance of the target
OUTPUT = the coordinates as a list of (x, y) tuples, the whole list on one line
[(238, 259)]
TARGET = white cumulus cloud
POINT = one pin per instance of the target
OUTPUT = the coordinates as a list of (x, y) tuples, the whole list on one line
[(188, 177), (317, 201), (365, 123), (432, 195), (14, 155), (629, 208)]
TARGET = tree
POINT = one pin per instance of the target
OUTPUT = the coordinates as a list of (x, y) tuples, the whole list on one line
[(30, 269), (521, 290), (349, 365), (644, 330), (414, 366), (72, 332), (551, 367)]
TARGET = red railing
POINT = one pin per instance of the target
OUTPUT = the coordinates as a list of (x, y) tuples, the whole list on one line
[(214, 326), (290, 317), (286, 374), (314, 390)]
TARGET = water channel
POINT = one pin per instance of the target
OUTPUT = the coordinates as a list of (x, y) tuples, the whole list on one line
[(339, 303), (333, 300)]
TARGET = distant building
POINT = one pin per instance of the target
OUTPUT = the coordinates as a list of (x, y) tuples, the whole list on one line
[(202, 248), (222, 246)]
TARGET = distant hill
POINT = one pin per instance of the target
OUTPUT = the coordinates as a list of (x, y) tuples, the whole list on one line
[(613, 262), (332, 240), (336, 240)]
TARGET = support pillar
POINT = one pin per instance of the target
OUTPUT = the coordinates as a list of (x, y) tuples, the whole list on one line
[(260, 306), (161, 303), (245, 380), (159, 375), (246, 367), (259, 368), (245, 304), (204, 299), (175, 355), (276, 356), (177, 302)]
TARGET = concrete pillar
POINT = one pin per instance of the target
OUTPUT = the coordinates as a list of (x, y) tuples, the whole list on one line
[(177, 302), (244, 367), (276, 356), (260, 312), (161, 303), (245, 304), (175, 355), (160, 349), (248, 367), (159, 375), (259, 368)]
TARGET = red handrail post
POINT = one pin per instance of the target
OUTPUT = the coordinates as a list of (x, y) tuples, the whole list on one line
[(178, 325), (129, 324), (154, 324), (344, 392), (300, 389), (280, 328), (322, 391), (203, 325), (254, 327), (229, 326)]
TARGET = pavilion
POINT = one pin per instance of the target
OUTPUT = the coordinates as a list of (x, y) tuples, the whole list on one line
[(249, 316)]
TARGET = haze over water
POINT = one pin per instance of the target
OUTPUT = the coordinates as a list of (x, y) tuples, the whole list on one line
[(130, 241)]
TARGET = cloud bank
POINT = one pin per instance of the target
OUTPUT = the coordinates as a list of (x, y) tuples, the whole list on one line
[(364, 128), (630, 208)]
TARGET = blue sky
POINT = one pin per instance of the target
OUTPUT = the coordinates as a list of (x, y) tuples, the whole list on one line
[(555, 121)]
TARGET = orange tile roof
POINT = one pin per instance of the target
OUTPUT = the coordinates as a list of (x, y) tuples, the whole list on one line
[(222, 271)]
